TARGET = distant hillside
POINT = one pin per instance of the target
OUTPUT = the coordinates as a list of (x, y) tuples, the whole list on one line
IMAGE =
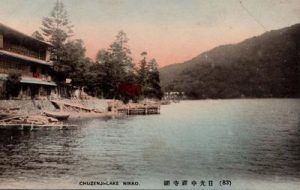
[(259, 67)]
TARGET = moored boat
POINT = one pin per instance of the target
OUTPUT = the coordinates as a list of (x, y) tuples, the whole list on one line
[(57, 115)]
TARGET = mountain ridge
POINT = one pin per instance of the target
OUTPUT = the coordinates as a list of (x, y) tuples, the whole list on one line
[(253, 59)]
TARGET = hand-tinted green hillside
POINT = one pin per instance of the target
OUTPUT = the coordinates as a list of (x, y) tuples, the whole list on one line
[(263, 66)]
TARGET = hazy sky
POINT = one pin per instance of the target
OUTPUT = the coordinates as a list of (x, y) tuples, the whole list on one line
[(171, 31)]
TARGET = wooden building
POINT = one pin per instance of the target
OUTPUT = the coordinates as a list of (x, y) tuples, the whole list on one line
[(20, 53)]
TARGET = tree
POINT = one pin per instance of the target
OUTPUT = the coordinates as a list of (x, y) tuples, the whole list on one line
[(120, 53), (106, 72), (75, 63), (116, 64), (57, 29), (153, 80), (37, 35), (142, 72), (115, 74), (102, 56), (94, 76)]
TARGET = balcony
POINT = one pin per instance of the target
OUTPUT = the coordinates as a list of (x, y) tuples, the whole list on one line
[(24, 57), (25, 51)]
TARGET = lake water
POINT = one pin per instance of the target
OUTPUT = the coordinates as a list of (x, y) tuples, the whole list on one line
[(255, 143)]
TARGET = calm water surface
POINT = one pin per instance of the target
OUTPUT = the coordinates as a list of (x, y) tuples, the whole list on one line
[(254, 143)]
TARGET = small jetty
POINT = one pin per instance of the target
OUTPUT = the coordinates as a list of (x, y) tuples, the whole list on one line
[(134, 108), (139, 110)]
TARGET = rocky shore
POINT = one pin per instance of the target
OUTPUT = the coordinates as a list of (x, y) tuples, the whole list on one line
[(36, 107)]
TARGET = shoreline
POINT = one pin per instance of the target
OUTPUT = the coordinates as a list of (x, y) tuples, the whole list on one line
[(76, 116), (33, 107)]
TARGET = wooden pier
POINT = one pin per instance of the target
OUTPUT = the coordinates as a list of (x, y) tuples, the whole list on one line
[(139, 110)]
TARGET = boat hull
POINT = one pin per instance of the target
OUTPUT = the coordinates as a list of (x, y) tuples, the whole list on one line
[(57, 115)]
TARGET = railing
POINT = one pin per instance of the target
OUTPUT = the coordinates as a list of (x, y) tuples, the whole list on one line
[(23, 51)]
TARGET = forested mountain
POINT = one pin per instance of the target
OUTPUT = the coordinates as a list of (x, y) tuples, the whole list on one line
[(264, 66)]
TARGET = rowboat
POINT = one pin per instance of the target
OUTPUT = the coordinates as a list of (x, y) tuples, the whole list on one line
[(57, 115)]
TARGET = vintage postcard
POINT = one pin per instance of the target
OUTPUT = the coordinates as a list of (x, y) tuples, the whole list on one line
[(150, 94)]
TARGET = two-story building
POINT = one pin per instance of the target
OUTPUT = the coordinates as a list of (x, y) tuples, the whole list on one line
[(20, 53)]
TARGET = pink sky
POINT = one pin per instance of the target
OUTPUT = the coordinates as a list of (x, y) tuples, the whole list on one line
[(171, 31)]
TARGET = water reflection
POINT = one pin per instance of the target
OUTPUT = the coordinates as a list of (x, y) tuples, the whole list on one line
[(32, 155), (244, 139)]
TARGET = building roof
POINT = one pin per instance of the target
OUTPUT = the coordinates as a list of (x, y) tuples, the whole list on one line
[(7, 29), (30, 80), (24, 57)]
